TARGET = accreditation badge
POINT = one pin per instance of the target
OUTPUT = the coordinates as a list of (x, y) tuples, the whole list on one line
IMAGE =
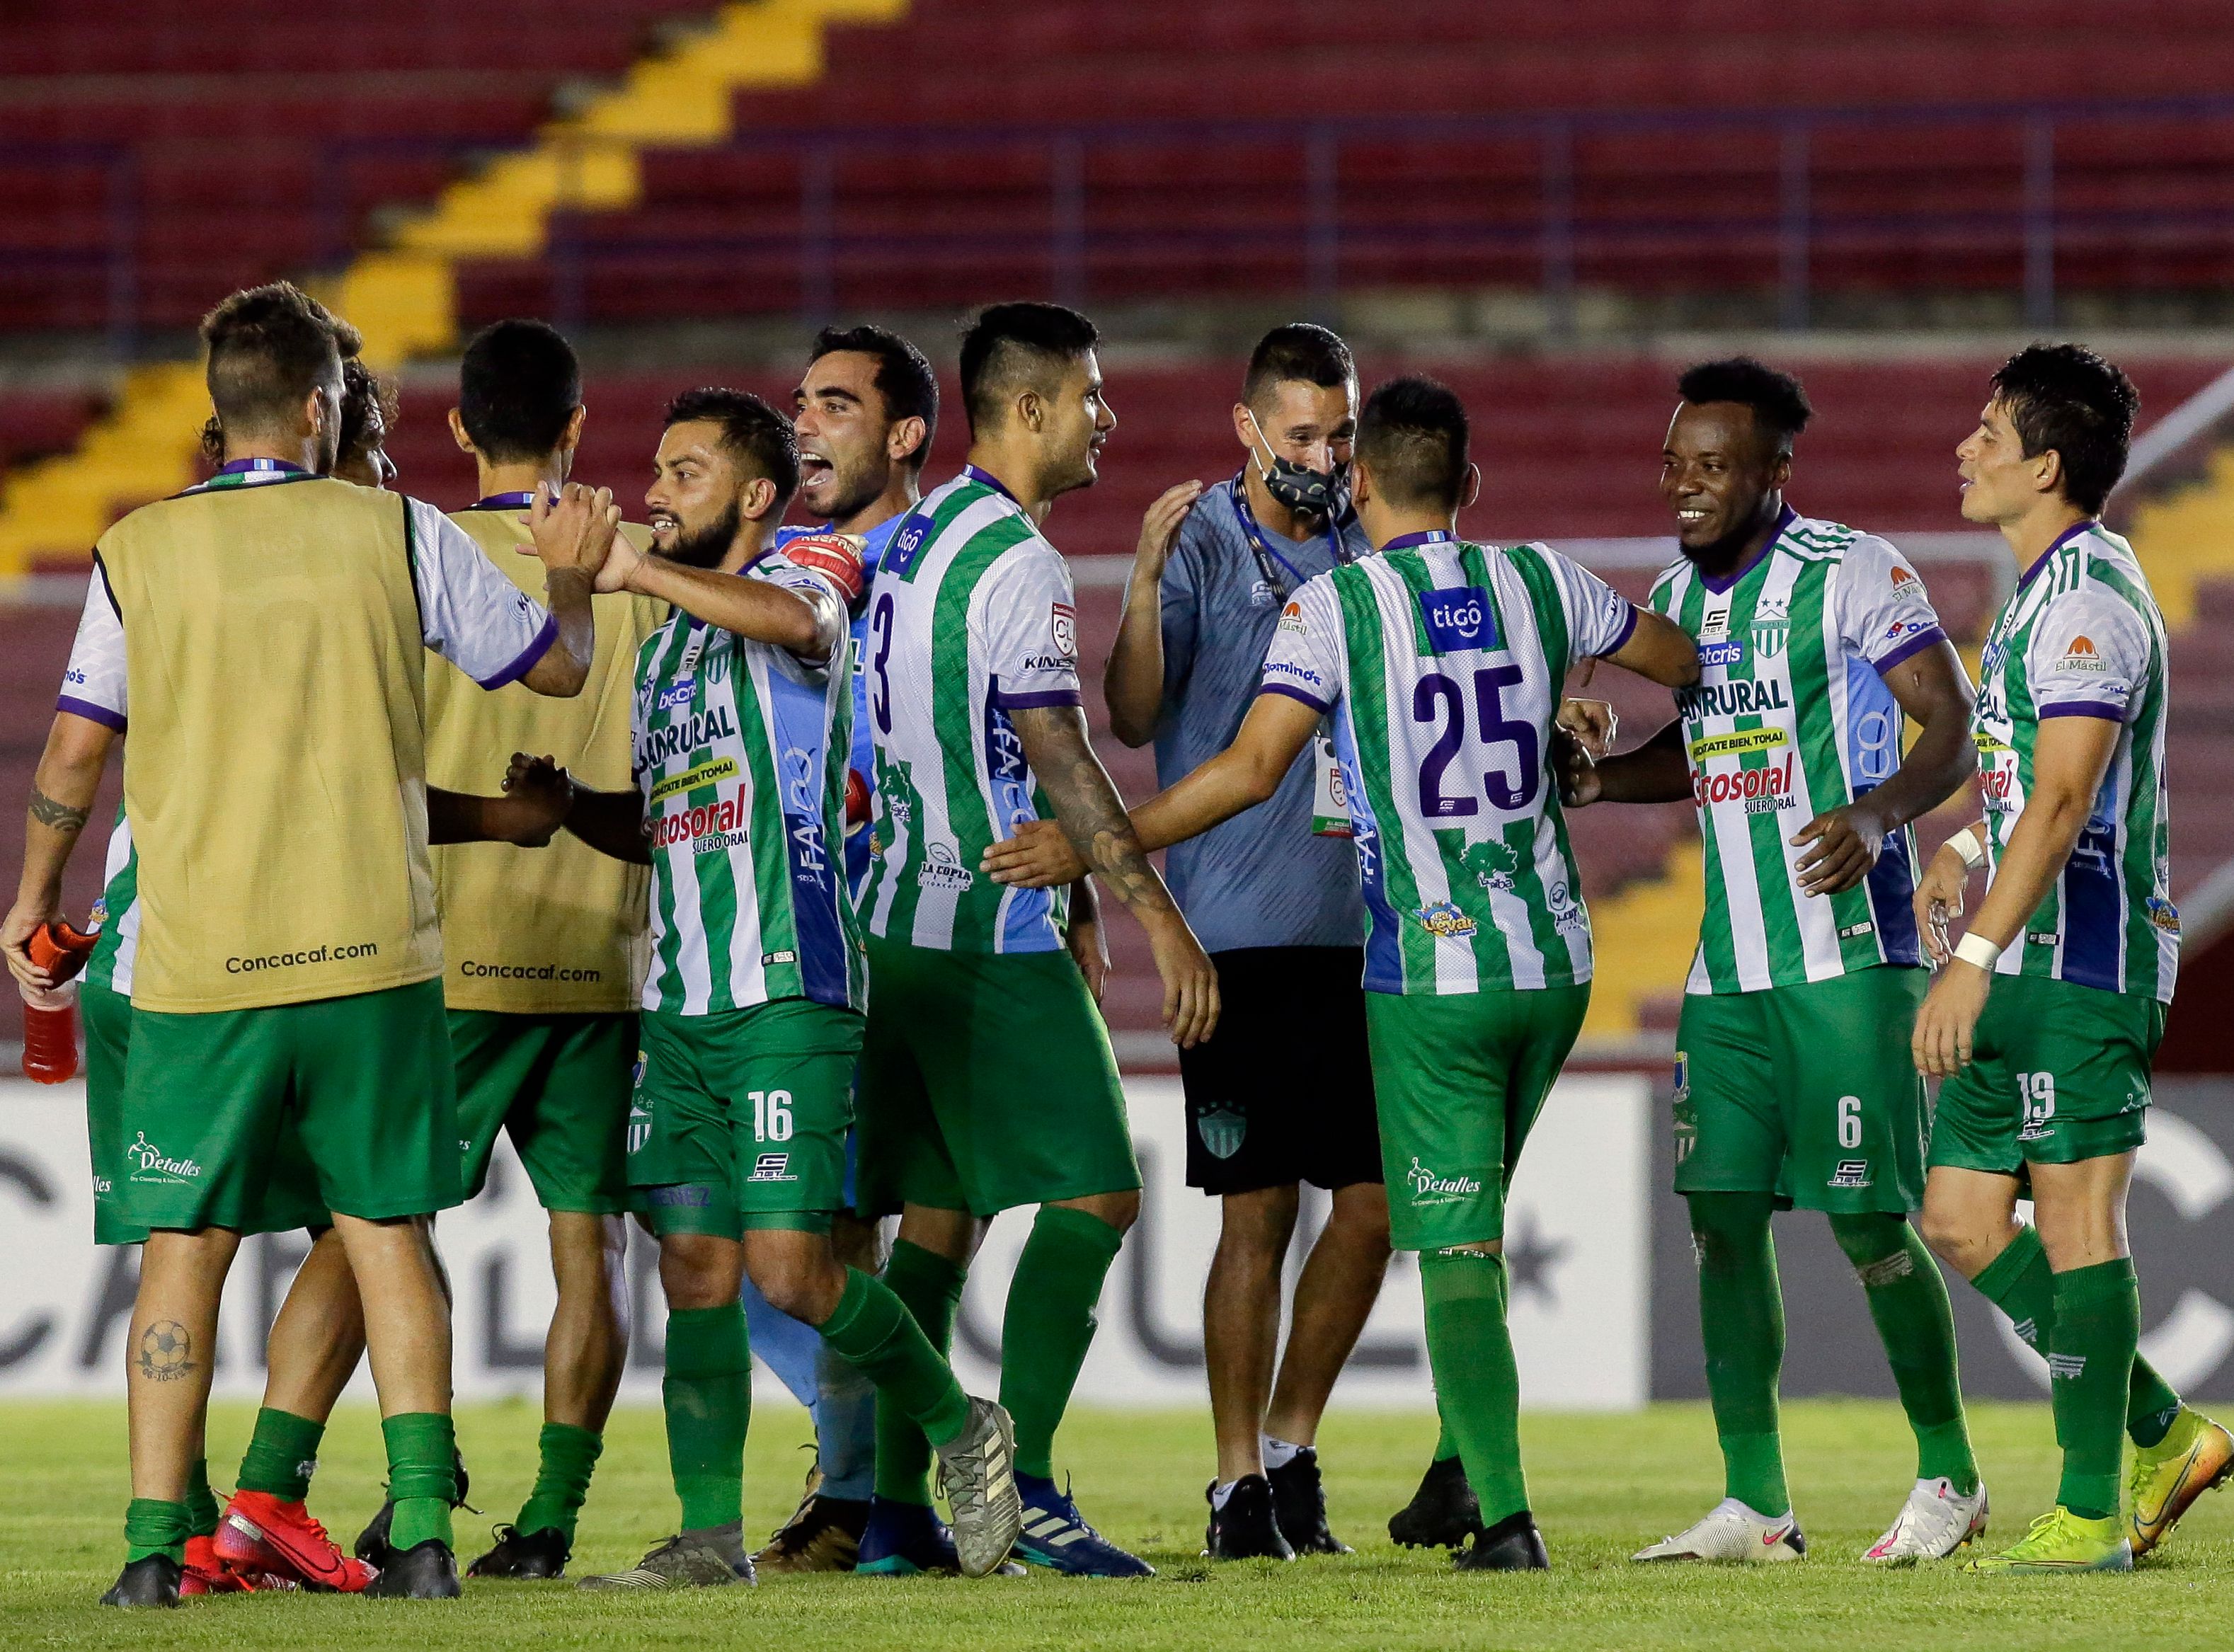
[(1330, 797)]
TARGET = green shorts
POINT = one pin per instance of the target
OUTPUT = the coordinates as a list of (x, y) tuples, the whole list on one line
[(2058, 1073), (361, 1085), (1460, 1078), (739, 1117), (987, 1082), (291, 1200), (1808, 1092), (559, 1086)]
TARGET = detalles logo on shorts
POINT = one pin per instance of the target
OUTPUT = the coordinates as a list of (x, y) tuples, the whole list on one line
[(151, 1163), (1428, 1188)]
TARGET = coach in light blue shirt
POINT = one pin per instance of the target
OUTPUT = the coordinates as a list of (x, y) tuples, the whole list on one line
[(1282, 1094)]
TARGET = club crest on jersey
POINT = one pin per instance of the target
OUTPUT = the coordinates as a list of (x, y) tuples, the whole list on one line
[(1771, 626), (1063, 625), (1445, 922), (1223, 1128), (1458, 617)]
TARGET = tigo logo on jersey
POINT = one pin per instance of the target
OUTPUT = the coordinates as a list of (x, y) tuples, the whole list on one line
[(1458, 618), (1445, 922)]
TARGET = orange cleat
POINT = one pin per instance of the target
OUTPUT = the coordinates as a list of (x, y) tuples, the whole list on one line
[(261, 1537)]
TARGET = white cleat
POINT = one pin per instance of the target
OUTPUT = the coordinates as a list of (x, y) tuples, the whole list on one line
[(1732, 1531), (1932, 1524)]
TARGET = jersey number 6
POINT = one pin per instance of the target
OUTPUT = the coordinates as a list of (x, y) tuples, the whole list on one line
[(1437, 698)]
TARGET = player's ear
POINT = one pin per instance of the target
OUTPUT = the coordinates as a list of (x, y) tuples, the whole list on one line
[(1360, 480), (1470, 489), (1031, 410), (570, 437), (905, 436), (2047, 471), (760, 499), (1780, 473), (458, 432)]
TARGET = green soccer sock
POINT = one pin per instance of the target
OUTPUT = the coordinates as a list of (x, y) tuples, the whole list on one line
[(930, 1288), (2090, 1357), (1741, 1319), (1050, 1324), (708, 1396), (566, 1456), (201, 1502), (1477, 1382), (153, 1526), (282, 1455), (422, 1477), (872, 1328), (1908, 1301), (1447, 1443), (2020, 1283)]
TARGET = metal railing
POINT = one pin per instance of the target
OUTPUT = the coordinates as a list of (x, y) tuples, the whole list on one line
[(1322, 209)]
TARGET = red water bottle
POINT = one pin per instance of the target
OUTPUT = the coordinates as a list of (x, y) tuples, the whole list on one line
[(50, 1017)]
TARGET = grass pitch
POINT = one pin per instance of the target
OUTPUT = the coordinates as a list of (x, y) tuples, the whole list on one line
[(1602, 1486)]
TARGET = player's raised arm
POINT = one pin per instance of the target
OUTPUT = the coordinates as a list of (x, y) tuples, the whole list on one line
[(574, 534), (798, 615), (1132, 681), (1093, 818)]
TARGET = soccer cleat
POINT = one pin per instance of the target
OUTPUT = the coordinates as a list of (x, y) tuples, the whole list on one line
[(152, 1580), (712, 1558), (2062, 1541), (424, 1571), (260, 1534), (1732, 1531), (1512, 1545), (1246, 1528), (1299, 1503), (977, 1470), (824, 1534), (1056, 1537), (204, 1573), (1933, 1524), (2165, 1478), (1442, 1514), (523, 1556), (372, 1546)]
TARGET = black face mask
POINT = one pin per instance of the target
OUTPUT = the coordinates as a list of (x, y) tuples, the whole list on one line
[(1312, 492)]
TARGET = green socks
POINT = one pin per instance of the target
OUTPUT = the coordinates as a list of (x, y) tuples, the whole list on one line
[(1477, 1384), (154, 1527), (708, 1396), (871, 1328), (1447, 1443), (2090, 1359), (423, 1476), (930, 1288), (566, 1456), (1742, 1319), (1050, 1325), (1908, 1301), (282, 1455), (2019, 1283), (201, 1502)]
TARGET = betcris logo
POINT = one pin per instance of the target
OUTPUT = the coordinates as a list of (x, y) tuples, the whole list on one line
[(678, 696), (1726, 653), (1458, 618)]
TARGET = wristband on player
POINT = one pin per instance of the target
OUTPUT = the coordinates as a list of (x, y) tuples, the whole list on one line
[(1965, 843), (1976, 949)]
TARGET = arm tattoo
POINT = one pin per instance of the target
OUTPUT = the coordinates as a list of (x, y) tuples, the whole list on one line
[(61, 816), (1088, 807)]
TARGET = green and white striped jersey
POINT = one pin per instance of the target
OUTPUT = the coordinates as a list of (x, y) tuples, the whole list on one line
[(2081, 638), (1791, 717), (1442, 663), (972, 618), (741, 755), (117, 914)]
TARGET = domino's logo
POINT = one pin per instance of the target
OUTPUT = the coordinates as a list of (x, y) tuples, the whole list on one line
[(1458, 618)]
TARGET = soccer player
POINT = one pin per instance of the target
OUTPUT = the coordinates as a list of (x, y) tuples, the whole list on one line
[(752, 1010), (1274, 897), (1793, 1083), (1440, 662), (864, 413), (543, 949), (2048, 1014), (987, 1079), (271, 622)]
